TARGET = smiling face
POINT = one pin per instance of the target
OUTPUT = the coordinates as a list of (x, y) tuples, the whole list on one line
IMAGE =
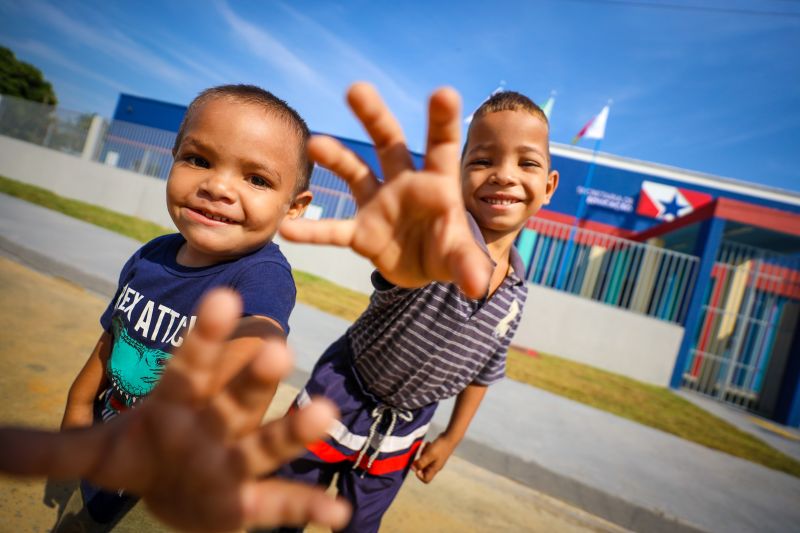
[(233, 181), (505, 172)]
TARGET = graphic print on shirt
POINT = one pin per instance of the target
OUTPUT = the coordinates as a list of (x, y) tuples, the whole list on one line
[(133, 368), (505, 323)]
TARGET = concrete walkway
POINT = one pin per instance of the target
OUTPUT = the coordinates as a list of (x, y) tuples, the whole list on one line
[(638, 477)]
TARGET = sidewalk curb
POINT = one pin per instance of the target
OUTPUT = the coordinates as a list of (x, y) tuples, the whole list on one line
[(55, 268)]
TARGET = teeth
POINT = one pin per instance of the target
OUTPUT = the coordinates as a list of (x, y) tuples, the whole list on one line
[(498, 201), (217, 218)]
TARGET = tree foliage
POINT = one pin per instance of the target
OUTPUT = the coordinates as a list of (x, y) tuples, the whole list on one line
[(23, 80)]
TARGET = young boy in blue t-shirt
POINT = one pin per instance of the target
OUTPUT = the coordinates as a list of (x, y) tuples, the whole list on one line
[(434, 328), (240, 167)]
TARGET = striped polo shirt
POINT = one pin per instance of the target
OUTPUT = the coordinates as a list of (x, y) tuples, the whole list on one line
[(412, 347)]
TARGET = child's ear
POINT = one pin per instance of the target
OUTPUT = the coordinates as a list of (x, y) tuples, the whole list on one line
[(299, 204), (552, 185)]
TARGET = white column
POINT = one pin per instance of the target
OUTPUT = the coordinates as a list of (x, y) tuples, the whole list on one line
[(93, 137)]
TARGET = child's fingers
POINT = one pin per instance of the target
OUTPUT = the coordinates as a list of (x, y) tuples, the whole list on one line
[(190, 374), (444, 133), (242, 404), (69, 454), (426, 467), (383, 128), (425, 474), (334, 232), (423, 462), (281, 440), (333, 155), (276, 502)]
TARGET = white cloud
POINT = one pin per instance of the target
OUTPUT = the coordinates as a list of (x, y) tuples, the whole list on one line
[(110, 41), (48, 53), (352, 64), (742, 135), (81, 99), (266, 47), (207, 69)]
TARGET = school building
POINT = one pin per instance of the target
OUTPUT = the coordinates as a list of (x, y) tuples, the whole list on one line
[(673, 277)]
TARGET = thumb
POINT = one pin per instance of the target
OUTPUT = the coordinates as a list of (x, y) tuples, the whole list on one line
[(471, 268), (68, 454), (423, 462)]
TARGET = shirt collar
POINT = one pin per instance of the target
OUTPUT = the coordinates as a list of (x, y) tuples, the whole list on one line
[(517, 273)]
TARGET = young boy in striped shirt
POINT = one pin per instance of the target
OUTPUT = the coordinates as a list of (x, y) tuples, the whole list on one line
[(449, 288)]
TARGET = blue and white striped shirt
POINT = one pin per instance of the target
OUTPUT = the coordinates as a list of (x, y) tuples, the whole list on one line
[(412, 347)]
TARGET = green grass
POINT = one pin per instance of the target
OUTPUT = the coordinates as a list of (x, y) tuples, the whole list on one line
[(133, 227), (657, 407), (647, 404), (329, 297)]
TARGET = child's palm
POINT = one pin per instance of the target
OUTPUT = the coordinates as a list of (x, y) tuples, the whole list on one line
[(193, 450), (413, 227)]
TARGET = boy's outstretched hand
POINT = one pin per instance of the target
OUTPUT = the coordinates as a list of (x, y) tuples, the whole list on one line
[(413, 227), (193, 450)]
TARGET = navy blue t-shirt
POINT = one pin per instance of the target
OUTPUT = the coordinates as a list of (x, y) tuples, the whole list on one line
[(154, 308)]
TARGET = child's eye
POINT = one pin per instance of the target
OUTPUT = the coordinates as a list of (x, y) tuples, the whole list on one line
[(530, 163), (479, 163), (197, 161), (258, 181)]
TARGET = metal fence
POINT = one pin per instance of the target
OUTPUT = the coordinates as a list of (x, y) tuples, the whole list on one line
[(639, 277), (750, 293), (49, 126), (331, 195), (138, 148)]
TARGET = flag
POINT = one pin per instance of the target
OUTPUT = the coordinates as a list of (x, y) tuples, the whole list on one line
[(548, 105), (595, 128), (665, 202), (498, 90)]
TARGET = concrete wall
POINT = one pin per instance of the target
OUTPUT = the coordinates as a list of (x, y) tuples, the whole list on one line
[(599, 335), (340, 265), (119, 190), (553, 322)]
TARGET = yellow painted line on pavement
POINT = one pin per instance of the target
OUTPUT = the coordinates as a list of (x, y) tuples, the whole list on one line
[(774, 428)]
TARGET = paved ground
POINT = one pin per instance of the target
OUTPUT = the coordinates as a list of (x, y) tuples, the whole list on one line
[(50, 326), (635, 476)]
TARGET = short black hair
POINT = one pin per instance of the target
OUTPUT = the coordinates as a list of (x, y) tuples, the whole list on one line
[(508, 101), (252, 94)]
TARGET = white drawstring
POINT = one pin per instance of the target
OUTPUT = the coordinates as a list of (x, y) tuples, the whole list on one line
[(377, 415)]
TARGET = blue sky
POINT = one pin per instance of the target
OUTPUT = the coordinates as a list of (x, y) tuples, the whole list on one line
[(708, 85)]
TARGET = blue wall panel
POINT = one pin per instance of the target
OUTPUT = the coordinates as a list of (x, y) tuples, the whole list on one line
[(148, 112)]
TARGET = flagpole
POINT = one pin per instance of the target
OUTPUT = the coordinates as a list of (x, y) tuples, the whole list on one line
[(587, 183), (566, 259), (594, 129)]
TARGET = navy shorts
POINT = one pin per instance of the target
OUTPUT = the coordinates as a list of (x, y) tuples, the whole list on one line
[(371, 447)]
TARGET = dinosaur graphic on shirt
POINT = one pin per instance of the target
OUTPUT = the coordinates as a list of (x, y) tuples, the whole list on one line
[(133, 368)]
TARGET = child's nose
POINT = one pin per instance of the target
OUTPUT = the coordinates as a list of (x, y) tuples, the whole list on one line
[(219, 186), (501, 178)]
